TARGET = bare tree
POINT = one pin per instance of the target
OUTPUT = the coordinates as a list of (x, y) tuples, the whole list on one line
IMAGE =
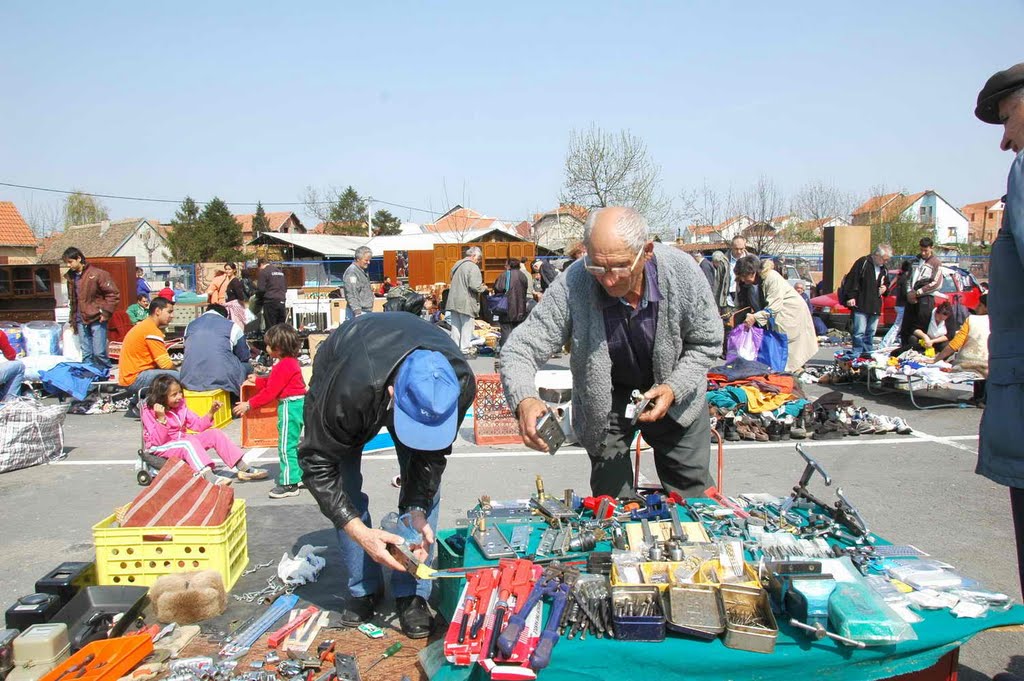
[(43, 218), (152, 242), (614, 169), (817, 202), (704, 206), (762, 203), (319, 202)]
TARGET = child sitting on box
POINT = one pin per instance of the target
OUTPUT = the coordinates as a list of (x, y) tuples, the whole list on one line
[(166, 422), (286, 385)]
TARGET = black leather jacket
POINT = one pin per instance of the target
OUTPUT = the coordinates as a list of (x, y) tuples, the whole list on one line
[(348, 403)]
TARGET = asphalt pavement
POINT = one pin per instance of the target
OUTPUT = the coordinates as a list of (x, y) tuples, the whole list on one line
[(918, 489)]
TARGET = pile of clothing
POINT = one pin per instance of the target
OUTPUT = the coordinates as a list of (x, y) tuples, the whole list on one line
[(754, 402)]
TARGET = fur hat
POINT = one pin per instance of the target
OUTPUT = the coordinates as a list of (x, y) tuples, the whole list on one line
[(188, 597)]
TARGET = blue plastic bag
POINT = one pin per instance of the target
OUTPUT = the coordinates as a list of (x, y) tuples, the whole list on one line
[(774, 350)]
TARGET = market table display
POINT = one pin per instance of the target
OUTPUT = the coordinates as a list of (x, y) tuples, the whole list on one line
[(761, 528)]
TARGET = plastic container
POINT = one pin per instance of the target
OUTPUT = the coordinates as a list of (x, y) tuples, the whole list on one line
[(66, 579), (39, 649), (37, 608), (100, 612), (105, 660), (200, 402), (259, 426), (41, 338), (139, 555), (15, 336), (493, 421)]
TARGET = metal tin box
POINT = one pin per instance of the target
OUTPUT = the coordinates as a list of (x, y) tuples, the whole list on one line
[(749, 622)]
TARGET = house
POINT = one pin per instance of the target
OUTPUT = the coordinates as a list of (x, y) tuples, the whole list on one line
[(949, 225), (724, 231), (461, 220), (132, 237), (17, 242), (818, 226), (985, 218), (284, 222), (558, 228)]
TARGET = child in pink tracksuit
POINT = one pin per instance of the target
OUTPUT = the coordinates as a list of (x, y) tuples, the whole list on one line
[(166, 422)]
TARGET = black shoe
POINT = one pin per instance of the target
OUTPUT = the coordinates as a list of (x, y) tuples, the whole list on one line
[(284, 491), (731, 434), (133, 412), (358, 610), (414, 616)]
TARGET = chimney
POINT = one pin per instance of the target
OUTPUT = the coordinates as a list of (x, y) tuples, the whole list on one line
[(104, 226)]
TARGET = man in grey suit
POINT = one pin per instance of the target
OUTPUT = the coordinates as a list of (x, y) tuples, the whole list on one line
[(641, 317), (356, 285)]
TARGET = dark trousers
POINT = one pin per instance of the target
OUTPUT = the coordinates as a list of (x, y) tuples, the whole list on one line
[(979, 390), (1017, 509), (273, 313), (916, 316), (681, 455), (506, 331)]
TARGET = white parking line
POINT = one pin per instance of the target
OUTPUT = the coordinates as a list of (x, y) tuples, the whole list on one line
[(260, 454)]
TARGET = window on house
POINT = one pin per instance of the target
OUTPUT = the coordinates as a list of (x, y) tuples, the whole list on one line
[(951, 233), (991, 215)]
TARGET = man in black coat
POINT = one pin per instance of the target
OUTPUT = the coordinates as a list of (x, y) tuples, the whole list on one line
[(393, 370), (865, 284), (513, 284)]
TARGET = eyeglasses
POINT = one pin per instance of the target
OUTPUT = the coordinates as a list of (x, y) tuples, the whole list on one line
[(617, 272)]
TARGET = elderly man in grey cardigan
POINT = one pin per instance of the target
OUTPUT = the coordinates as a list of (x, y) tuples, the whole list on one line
[(464, 298), (356, 285), (640, 316)]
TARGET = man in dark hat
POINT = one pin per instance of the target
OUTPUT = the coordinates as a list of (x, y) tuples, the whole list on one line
[(1000, 456)]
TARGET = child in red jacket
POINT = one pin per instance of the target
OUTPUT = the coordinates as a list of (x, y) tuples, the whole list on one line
[(286, 385)]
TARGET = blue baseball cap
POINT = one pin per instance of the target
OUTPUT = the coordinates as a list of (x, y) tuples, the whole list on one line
[(426, 401)]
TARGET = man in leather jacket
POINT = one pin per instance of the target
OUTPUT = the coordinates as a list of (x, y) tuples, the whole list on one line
[(393, 370)]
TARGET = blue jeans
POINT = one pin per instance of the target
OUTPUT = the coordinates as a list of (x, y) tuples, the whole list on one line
[(11, 375), (145, 378), (364, 575), (863, 332), (93, 338)]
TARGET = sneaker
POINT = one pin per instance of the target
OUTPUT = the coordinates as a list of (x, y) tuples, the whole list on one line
[(882, 424), (901, 426), (252, 474), (863, 427), (284, 491)]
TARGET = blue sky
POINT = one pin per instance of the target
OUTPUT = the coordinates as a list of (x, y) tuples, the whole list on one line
[(430, 104)]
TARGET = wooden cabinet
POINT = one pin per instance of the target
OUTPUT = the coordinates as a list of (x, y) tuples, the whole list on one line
[(495, 256), (27, 292), (122, 271)]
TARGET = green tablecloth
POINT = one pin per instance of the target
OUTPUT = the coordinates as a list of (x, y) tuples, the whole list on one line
[(795, 656)]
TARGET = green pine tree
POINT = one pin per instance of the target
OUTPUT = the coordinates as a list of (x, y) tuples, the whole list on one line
[(224, 232), (259, 221), (186, 232), (348, 215), (386, 224)]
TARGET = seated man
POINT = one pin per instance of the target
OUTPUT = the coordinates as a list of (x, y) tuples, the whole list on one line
[(143, 354), (12, 372), (216, 354), (139, 310), (936, 335)]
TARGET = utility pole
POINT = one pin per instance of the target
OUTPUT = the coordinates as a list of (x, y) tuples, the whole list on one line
[(369, 216)]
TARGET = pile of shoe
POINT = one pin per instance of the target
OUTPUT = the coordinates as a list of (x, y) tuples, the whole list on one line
[(830, 423), (763, 427), (821, 422)]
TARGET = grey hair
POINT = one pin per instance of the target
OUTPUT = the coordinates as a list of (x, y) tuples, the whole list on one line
[(474, 252), (631, 227), (884, 250), (363, 250), (747, 265)]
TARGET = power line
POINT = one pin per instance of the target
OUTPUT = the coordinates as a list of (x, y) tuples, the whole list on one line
[(229, 203)]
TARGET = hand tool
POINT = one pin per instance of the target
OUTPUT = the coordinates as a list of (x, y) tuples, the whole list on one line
[(392, 649), (818, 632), (242, 641), (281, 634), (556, 582), (165, 632), (637, 405), (506, 577), (469, 606), (550, 430)]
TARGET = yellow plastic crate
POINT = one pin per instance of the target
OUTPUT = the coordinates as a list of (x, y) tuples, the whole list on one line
[(136, 556), (200, 402)]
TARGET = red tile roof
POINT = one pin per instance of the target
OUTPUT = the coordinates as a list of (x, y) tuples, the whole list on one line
[(875, 203), (274, 221), (14, 231), (523, 229), (578, 212), (460, 220), (980, 205)]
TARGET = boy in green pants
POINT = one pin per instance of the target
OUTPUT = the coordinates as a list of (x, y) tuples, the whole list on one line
[(286, 385)]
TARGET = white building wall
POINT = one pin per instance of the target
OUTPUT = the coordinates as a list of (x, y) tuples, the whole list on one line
[(951, 227), (136, 246)]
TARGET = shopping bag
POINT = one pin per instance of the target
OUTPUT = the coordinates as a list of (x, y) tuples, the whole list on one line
[(30, 433), (774, 349), (178, 496), (744, 342)]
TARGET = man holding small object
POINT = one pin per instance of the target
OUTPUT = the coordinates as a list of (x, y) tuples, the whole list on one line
[(641, 317), (397, 371)]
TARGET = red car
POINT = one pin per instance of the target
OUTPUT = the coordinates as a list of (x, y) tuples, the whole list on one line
[(957, 284)]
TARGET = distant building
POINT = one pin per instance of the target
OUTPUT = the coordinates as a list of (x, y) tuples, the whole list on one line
[(948, 224), (558, 228), (17, 242), (985, 218), (283, 222), (132, 237)]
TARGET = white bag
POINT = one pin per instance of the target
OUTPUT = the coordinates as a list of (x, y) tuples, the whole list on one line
[(30, 433)]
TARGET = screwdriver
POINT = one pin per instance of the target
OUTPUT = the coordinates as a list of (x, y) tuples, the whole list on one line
[(392, 649)]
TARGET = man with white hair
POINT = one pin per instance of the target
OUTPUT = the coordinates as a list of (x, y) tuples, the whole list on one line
[(464, 298), (356, 285), (865, 285), (641, 317)]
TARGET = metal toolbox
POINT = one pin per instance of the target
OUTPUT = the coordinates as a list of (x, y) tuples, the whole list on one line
[(749, 622), (695, 610), (637, 613)]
